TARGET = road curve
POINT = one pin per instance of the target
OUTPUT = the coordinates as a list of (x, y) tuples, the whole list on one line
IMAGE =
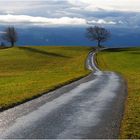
[(89, 108)]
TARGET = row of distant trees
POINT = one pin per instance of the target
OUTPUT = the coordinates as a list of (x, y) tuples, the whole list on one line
[(96, 33)]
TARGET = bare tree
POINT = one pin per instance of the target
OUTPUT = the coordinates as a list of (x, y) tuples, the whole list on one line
[(10, 35), (98, 34)]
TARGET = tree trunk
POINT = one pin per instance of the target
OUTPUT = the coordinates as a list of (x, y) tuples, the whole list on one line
[(12, 44), (99, 43)]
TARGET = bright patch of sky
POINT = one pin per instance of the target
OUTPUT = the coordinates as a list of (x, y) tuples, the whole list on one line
[(120, 13)]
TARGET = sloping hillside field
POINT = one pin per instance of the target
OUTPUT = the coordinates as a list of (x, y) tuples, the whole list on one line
[(126, 62), (27, 72)]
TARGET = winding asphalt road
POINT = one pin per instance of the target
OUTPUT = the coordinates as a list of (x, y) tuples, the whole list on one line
[(89, 108)]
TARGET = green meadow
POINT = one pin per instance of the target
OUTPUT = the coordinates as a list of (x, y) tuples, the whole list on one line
[(28, 72), (126, 62)]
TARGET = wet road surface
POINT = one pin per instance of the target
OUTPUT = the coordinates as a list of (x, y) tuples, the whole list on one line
[(89, 108)]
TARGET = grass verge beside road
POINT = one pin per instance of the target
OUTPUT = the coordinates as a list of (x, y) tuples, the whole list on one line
[(126, 62), (27, 72)]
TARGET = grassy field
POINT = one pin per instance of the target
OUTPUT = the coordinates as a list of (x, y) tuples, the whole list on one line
[(126, 62), (27, 72)]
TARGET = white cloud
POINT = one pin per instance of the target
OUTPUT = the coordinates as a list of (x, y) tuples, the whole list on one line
[(109, 5), (71, 12), (50, 21), (14, 6), (54, 7), (101, 21)]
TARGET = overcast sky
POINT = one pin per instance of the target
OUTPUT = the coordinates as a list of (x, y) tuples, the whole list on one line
[(120, 13)]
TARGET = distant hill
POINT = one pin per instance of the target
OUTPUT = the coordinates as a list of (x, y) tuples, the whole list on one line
[(73, 36)]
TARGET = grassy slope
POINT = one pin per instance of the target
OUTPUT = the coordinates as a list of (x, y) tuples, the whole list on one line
[(26, 72), (126, 62)]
